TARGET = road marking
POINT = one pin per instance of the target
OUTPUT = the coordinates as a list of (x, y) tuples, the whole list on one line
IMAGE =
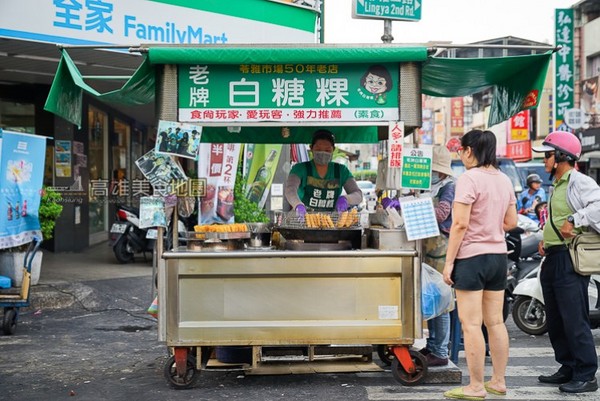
[(532, 352), (389, 393), (515, 369)]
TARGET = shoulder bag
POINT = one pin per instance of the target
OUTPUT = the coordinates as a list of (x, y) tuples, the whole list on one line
[(585, 253), (584, 249)]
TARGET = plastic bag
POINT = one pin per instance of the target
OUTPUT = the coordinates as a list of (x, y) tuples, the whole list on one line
[(436, 296)]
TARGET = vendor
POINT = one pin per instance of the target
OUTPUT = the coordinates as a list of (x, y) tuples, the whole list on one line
[(317, 184)]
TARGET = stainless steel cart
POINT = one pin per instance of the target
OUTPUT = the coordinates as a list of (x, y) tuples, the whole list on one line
[(283, 298)]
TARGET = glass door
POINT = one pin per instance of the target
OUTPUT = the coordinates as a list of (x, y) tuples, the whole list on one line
[(121, 163), (98, 171)]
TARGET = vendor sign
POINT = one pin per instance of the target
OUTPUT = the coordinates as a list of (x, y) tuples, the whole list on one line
[(22, 159), (288, 93), (416, 167), (218, 163)]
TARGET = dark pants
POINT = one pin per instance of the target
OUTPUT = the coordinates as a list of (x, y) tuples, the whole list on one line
[(567, 312)]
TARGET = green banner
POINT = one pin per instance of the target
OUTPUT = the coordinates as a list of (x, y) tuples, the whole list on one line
[(416, 167), (299, 92), (563, 66)]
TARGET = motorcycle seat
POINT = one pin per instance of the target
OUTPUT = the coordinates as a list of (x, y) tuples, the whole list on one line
[(131, 209)]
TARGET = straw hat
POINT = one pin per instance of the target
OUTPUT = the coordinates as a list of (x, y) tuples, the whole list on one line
[(442, 160)]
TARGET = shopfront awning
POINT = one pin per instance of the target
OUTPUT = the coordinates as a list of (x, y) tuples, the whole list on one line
[(517, 81)]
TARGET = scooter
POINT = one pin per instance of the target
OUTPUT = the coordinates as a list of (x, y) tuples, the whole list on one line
[(126, 236), (522, 243), (528, 310)]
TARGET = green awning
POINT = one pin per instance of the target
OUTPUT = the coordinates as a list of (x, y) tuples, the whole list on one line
[(517, 81), (66, 93), (285, 54)]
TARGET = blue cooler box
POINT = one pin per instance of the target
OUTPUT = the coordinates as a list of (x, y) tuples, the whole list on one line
[(5, 282)]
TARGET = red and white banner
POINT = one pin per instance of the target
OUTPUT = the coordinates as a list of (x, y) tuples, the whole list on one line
[(519, 127), (218, 163)]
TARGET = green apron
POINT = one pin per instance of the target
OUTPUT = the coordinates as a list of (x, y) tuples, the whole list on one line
[(321, 194)]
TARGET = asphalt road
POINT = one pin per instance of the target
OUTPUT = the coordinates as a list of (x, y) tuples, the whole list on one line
[(108, 350)]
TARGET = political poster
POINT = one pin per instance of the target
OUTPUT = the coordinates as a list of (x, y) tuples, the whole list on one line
[(22, 158)]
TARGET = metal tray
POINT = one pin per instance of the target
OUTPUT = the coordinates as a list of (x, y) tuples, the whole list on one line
[(317, 235), (192, 235)]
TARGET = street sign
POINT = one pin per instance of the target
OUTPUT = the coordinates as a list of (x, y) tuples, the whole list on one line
[(574, 118), (406, 10)]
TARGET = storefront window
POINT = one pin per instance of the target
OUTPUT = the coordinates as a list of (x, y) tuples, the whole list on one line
[(121, 163), (98, 138), (16, 116)]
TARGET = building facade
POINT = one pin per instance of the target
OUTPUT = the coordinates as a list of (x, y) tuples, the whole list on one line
[(93, 165)]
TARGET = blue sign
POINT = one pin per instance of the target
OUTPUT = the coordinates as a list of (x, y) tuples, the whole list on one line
[(22, 159)]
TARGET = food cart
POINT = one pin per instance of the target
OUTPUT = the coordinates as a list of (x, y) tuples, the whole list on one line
[(315, 294), (320, 288)]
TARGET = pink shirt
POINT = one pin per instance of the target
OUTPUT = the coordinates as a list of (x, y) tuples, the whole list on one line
[(490, 193)]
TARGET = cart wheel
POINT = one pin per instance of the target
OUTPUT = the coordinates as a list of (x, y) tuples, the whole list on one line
[(9, 324), (410, 379), (187, 381), (385, 354)]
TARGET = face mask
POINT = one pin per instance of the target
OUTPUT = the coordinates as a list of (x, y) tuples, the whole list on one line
[(435, 177), (321, 157)]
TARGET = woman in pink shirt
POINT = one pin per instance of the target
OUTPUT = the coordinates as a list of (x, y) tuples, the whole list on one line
[(483, 210)]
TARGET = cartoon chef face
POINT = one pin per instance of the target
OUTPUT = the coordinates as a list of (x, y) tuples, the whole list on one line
[(375, 84)]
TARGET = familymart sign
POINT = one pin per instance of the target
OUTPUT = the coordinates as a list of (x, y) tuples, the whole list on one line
[(288, 93)]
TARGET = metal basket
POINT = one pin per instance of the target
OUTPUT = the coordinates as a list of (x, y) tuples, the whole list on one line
[(293, 220)]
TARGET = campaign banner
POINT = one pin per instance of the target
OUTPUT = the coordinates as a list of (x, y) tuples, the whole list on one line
[(218, 164), (22, 158)]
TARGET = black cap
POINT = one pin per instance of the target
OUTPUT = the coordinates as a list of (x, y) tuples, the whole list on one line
[(323, 134)]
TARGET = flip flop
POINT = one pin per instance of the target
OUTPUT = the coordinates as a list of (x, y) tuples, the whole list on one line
[(491, 390), (458, 394)]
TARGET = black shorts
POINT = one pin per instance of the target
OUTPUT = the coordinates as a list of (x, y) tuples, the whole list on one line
[(481, 272)]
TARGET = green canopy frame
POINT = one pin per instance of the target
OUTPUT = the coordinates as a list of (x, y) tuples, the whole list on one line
[(517, 81)]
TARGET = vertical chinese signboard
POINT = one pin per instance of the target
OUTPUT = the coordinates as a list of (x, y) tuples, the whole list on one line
[(563, 65), (288, 93), (457, 117), (396, 138), (519, 127)]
